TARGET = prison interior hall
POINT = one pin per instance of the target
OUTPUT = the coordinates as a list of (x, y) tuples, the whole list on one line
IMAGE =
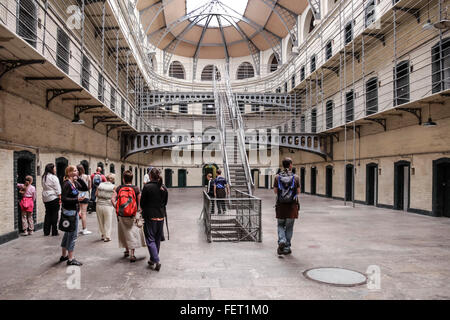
[(355, 92)]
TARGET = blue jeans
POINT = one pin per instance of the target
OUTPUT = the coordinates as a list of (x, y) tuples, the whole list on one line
[(69, 238), (285, 230)]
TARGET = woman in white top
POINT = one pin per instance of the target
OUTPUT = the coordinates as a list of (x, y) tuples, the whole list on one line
[(105, 209), (84, 204), (51, 195)]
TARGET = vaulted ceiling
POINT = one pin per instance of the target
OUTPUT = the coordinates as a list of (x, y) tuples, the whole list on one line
[(216, 31)]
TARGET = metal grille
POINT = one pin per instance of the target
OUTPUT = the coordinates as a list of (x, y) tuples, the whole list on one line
[(241, 220)]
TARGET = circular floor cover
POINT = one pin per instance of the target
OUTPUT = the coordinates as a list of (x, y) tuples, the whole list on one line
[(336, 276)]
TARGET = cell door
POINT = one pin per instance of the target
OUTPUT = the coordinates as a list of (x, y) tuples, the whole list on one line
[(401, 185), (302, 180), (329, 182), (349, 182), (168, 178), (181, 178), (371, 184), (61, 165), (313, 180), (24, 165)]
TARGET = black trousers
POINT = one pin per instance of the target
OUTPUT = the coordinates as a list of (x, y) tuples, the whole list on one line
[(221, 205), (51, 217)]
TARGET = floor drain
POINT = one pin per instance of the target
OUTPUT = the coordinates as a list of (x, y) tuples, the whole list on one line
[(336, 276)]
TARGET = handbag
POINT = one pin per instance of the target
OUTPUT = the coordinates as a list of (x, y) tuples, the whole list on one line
[(67, 223), (138, 220)]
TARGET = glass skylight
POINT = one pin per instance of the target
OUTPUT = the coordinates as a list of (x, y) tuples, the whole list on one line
[(237, 5)]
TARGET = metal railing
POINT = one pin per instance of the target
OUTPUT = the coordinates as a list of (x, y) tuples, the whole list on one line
[(241, 220), (238, 126)]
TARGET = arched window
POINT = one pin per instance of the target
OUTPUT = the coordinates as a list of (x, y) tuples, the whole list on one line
[(112, 168), (207, 73), (176, 70), (245, 71), (308, 25), (440, 59), (311, 24), (273, 63), (289, 47)]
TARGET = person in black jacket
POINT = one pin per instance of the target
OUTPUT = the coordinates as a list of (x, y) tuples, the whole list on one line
[(153, 200), (70, 198)]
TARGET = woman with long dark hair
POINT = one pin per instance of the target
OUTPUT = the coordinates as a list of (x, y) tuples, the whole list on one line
[(51, 195), (153, 201)]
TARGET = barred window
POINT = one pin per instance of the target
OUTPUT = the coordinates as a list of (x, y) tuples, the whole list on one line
[(27, 21), (62, 50), (85, 72), (329, 113), (349, 106), (372, 96)]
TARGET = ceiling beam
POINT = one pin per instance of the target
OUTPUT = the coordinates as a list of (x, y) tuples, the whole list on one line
[(227, 55)]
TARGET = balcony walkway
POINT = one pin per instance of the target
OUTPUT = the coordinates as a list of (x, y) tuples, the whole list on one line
[(411, 250)]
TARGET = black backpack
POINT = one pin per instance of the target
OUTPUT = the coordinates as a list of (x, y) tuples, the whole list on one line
[(286, 188)]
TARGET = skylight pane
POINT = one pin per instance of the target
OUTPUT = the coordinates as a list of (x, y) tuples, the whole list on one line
[(237, 5)]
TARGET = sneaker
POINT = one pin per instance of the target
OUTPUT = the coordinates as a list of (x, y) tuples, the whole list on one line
[(280, 249), (157, 266), (150, 263), (30, 233), (62, 259), (86, 231), (24, 234), (287, 251), (74, 262)]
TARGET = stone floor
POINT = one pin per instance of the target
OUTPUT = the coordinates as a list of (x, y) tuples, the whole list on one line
[(412, 252)]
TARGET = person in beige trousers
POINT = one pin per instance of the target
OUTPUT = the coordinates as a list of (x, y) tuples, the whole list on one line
[(105, 209)]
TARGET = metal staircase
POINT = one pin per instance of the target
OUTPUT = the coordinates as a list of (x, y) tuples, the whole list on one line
[(242, 220)]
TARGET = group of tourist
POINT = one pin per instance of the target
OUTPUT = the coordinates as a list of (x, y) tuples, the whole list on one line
[(140, 215)]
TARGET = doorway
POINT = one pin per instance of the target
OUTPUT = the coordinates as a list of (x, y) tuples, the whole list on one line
[(302, 180), (401, 185), (372, 184), (182, 178), (349, 181), (85, 165), (255, 175), (61, 165), (313, 180), (441, 187), (168, 177), (329, 181), (24, 165), (207, 169)]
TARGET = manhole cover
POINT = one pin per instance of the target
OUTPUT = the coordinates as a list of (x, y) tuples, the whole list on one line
[(336, 276)]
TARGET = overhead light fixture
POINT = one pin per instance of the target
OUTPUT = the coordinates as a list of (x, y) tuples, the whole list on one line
[(443, 24), (428, 25), (77, 120), (430, 122)]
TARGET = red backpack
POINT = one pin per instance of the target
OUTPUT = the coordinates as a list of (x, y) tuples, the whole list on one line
[(126, 205)]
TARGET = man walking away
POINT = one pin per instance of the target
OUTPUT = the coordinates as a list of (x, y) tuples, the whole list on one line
[(221, 189), (287, 188)]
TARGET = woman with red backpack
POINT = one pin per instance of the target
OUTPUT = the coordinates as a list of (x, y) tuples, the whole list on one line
[(126, 199)]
